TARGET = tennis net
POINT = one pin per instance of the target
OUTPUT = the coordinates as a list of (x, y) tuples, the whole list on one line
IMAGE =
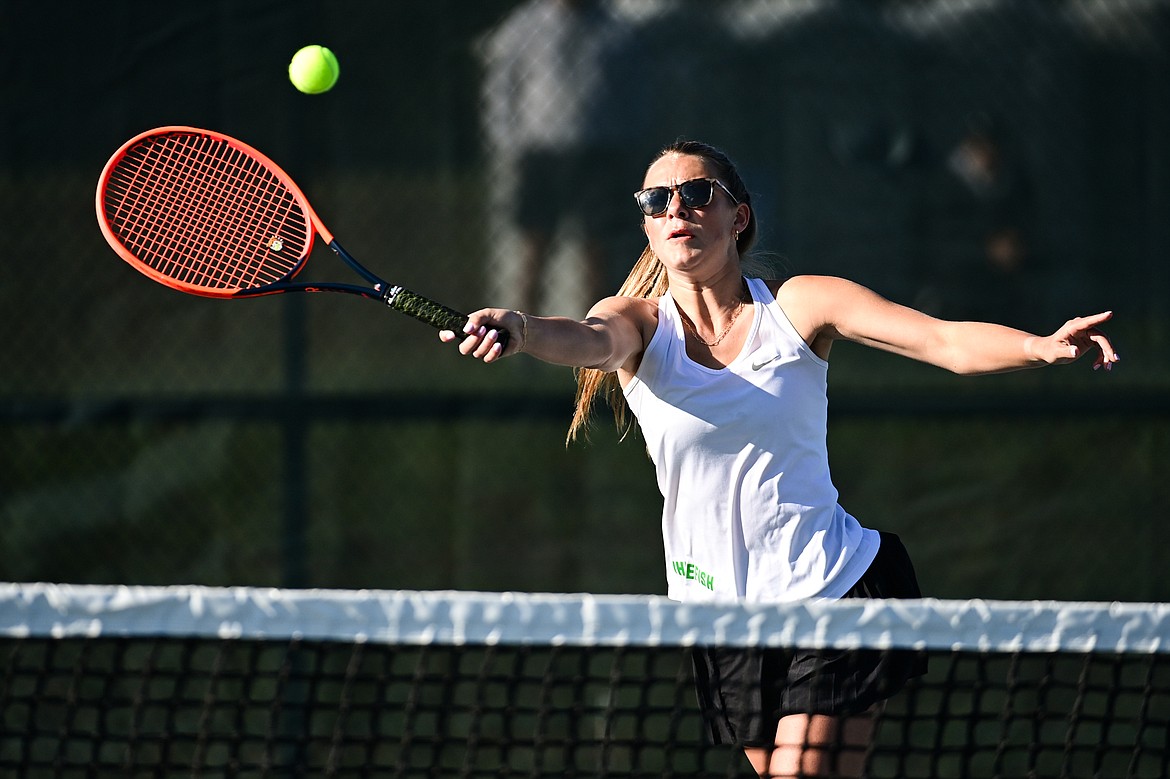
[(197, 681)]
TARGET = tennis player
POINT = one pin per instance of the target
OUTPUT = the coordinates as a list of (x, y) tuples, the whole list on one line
[(726, 376)]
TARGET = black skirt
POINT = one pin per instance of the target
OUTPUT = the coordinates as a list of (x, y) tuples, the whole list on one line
[(743, 693)]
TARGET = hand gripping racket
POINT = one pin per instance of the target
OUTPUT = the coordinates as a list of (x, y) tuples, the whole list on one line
[(208, 215)]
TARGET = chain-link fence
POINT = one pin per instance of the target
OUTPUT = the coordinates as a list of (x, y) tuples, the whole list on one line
[(974, 158)]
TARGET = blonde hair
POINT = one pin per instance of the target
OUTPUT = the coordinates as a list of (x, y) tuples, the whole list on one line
[(648, 279)]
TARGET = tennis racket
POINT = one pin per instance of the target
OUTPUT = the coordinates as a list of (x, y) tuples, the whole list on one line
[(209, 215)]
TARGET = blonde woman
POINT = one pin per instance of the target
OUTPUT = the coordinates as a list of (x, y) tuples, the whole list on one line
[(726, 377)]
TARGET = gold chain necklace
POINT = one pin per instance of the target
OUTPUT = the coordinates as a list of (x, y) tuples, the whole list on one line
[(719, 338)]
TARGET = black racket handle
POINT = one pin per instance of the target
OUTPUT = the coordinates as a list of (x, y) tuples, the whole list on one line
[(434, 314)]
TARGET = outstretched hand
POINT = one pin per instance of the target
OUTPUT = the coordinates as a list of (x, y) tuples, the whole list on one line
[(1075, 338), (480, 339)]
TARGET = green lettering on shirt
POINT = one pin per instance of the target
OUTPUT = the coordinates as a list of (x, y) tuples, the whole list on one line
[(692, 572)]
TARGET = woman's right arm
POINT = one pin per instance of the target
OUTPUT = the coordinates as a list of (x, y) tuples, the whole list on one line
[(611, 337)]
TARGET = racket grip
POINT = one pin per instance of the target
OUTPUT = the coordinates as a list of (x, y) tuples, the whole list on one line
[(434, 314)]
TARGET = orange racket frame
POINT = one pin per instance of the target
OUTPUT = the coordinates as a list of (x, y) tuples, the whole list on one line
[(206, 214)]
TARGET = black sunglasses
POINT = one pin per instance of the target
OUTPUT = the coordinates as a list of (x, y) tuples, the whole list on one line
[(695, 193)]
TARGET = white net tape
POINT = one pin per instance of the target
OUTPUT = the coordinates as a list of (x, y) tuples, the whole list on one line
[(404, 617)]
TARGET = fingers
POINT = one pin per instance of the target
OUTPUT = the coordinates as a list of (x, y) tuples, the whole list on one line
[(480, 342), (483, 344), (1082, 324), (1095, 319), (1081, 335), (1106, 356)]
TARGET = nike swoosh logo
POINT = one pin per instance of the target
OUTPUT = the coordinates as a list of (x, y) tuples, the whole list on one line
[(757, 365)]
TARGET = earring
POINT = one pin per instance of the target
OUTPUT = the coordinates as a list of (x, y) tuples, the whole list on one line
[(735, 235)]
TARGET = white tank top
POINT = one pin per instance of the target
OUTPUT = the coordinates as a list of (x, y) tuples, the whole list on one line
[(750, 511)]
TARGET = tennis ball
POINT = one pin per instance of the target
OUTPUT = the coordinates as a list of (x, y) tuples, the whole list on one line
[(314, 70)]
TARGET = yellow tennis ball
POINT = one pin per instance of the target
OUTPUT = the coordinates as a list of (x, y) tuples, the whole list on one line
[(314, 70)]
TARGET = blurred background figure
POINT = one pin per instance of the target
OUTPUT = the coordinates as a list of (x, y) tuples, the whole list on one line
[(984, 264), (552, 109)]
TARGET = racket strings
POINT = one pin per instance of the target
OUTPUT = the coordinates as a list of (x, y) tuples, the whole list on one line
[(182, 230), (228, 213), (231, 213), (176, 225), (224, 217), (206, 214), (191, 219)]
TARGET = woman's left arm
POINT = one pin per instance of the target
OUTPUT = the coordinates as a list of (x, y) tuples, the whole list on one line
[(835, 308)]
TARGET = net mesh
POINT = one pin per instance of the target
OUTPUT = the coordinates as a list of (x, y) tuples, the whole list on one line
[(204, 682)]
